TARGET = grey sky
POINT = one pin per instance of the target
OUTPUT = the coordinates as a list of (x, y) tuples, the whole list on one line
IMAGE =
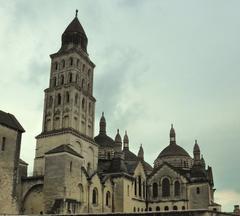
[(157, 63)]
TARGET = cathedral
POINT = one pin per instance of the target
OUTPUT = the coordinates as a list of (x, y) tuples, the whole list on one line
[(77, 172)]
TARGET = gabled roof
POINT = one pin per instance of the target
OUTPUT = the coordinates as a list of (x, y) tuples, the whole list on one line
[(22, 162), (184, 173), (64, 148), (10, 121)]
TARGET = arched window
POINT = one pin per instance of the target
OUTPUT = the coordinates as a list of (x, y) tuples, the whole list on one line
[(81, 195), (135, 187), (89, 71), (198, 190), (166, 208), (177, 188), (83, 83), (155, 189), (67, 97), (165, 187), (59, 101), (56, 65), (70, 166), (83, 103), (144, 188), (134, 209), (62, 79), (108, 155), (88, 88), (89, 108), (3, 143), (149, 209), (50, 102), (83, 67), (128, 190), (54, 81), (138, 209), (139, 186), (157, 208), (175, 208), (63, 63), (183, 207), (95, 196), (71, 61), (70, 77), (108, 196), (76, 99)]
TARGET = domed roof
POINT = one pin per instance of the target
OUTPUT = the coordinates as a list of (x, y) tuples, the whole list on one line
[(104, 140), (75, 34), (173, 150)]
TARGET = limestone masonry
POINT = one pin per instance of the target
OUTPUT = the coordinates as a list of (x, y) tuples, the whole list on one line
[(75, 172)]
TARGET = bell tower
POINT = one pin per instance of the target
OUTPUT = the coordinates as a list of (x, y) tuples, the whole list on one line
[(69, 106)]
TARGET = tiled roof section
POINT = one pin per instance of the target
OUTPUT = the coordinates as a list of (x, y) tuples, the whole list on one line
[(22, 162), (10, 121), (173, 150), (129, 156), (182, 172), (117, 165), (131, 166), (64, 148), (104, 141), (103, 165)]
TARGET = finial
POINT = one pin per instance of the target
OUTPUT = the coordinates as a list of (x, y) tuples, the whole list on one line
[(171, 125), (76, 12), (125, 132), (195, 141), (102, 113), (118, 131), (141, 145)]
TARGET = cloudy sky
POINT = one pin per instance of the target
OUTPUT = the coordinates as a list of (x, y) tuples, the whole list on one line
[(157, 62)]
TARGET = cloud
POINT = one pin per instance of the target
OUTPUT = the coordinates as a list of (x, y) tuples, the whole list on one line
[(227, 198)]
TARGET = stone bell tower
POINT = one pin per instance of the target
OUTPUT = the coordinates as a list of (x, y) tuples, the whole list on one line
[(69, 106)]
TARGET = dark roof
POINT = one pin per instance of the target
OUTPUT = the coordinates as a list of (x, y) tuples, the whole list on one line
[(64, 148), (104, 140), (129, 156), (10, 121), (173, 150), (74, 33), (103, 165), (132, 160), (22, 162), (117, 165), (182, 172)]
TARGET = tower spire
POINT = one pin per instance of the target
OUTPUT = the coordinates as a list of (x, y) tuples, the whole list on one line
[(172, 135), (76, 13), (126, 141), (102, 124), (141, 152)]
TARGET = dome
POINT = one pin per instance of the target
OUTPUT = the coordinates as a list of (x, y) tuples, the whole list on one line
[(74, 34), (104, 140), (173, 150)]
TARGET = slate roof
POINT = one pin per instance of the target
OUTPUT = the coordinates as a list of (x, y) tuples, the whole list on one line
[(22, 162), (104, 140), (74, 34), (10, 121), (173, 150), (117, 165), (64, 148)]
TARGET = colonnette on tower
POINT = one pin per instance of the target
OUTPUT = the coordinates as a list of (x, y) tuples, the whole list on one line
[(75, 172)]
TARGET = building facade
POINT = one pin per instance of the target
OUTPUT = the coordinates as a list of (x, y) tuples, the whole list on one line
[(75, 172)]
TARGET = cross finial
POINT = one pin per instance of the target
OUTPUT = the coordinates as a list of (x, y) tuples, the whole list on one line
[(76, 12)]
